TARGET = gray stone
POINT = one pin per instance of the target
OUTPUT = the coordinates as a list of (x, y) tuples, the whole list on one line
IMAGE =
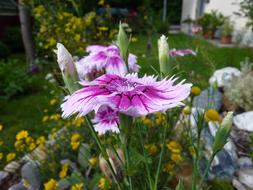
[(30, 173), (237, 184), (12, 167), (209, 98), (18, 186), (245, 176), (244, 162), (224, 76), (244, 121), (3, 176)]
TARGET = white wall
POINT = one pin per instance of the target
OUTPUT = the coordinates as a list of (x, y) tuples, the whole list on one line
[(227, 8)]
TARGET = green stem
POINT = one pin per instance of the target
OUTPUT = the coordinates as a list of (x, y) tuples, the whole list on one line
[(206, 170), (160, 159), (145, 156), (103, 151)]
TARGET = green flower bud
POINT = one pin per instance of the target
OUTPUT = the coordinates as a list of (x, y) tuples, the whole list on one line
[(67, 67), (223, 132), (164, 55), (123, 42)]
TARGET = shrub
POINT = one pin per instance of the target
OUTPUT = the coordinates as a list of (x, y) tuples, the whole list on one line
[(14, 78), (241, 92), (4, 50), (13, 39)]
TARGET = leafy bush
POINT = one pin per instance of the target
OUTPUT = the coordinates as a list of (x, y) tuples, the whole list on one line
[(14, 78), (227, 28), (211, 21), (4, 50), (241, 92), (13, 39)]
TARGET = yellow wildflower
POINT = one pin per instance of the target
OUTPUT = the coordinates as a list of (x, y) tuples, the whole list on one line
[(134, 39), (104, 184), (168, 168), (45, 118), (55, 117), (176, 157), (19, 146), (78, 186), (160, 118), (29, 140), (22, 134), (75, 137), (1, 127), (151, 148), (103, 28), (101, 2), (53, 101), (41, 140), (32, 146), (64, 170), (212, 115), (148, 122), (78, 122), (93, 161), (75, 145), (10, 157), (77, 37), (192, 151), (26, 184), (1, 155), (51, 185), (195, 91), (187, 110), (174, 147)]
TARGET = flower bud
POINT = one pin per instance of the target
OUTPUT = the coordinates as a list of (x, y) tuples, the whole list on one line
[(67, 67), (122, 42), (163, 53), (223, 132), (116, 161)]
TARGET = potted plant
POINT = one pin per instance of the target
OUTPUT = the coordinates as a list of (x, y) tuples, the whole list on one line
[(210, 22), (226, 32)]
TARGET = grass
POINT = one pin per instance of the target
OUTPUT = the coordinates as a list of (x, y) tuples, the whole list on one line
[(26, 111), (198, 68)]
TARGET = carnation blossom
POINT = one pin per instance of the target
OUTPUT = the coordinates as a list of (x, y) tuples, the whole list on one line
[(106, 119), (181, 52), (104, 59), (129, 95)]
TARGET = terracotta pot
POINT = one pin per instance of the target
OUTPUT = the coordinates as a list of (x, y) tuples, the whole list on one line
[(225, 40), (208, 35)]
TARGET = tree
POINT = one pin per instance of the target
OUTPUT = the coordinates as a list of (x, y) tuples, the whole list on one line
[(247, 11)]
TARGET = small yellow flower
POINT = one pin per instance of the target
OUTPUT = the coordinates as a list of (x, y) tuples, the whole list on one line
[(1, 155), (212, 115), (75, 137), (10, 157), (75, 145), (134, 39), (51, 185), (148, 122), (104, 184), (151, 148), (32, 146), (77, 37), (1, 127), (195, 91), (64, 170), (101, 2), (45, 118), (176, 157), (93, 161), (187, 110), (168, 168), (103, 28), (29, 140), (192, 151), (174, 147), (78, 186), (53, 101), (19, 145), (22, 135), (41, 140), (26, 184)]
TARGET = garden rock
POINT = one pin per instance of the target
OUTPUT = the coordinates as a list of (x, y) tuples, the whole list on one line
[(244, 121), (245, 162), (224, 76), (18, 186), (245, 176), (3, 176), (12, 167), (237, 184), (30, 172), (209, 98)]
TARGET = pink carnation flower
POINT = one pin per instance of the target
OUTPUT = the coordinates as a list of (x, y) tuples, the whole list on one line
[(106, 119), (104, 59), (181, 52), (129, 95)]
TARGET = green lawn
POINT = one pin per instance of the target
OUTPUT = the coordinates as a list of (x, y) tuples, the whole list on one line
[(26, 111)]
